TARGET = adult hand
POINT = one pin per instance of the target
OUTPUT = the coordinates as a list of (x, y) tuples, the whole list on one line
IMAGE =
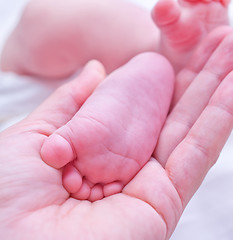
[(195, 85), (35, 205)]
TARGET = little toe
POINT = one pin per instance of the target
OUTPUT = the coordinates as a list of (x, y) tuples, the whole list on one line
[(112, 188), (56, 151), (166, 12), (96, 193), (83, 193), (71, 178)]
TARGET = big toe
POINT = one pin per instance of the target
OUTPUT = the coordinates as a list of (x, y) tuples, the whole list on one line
[(166, 12), (56, 151)]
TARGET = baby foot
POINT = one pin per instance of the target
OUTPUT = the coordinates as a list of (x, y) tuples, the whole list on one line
[(115, 132), (184, 24)]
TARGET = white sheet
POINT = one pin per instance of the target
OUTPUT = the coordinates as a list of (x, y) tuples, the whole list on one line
[(209, 216)]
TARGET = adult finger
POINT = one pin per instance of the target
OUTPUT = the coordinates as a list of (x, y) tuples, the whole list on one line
[(196, 154), (198, 60), (67, 99), (195, 99), (153, 186)]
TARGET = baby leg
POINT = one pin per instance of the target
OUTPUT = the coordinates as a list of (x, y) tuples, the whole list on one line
[(183, 24), (54, 38), (114, 133)]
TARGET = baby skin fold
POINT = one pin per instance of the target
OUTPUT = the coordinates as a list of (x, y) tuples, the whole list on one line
[(113, 135)]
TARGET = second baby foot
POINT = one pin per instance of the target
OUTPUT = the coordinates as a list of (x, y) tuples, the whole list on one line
[(184, 23), (115, 132)]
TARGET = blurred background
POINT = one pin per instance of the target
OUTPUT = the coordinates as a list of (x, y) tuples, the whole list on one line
[(209, 215)]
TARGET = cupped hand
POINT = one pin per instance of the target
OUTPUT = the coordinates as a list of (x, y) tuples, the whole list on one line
[(34, 205)]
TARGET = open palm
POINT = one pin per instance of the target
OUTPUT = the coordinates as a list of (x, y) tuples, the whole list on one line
[(34, 205)]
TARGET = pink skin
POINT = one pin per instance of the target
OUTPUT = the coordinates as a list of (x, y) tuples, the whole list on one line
[(213, 66), (115, 132), (53, 43), (183, 25), (55, 38), (34, 204)]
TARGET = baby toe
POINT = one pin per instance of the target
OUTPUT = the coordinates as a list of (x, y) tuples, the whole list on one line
[(83, 193), (71, 178), (96, 193), (112, 188), (56, 151), (166, 12)]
